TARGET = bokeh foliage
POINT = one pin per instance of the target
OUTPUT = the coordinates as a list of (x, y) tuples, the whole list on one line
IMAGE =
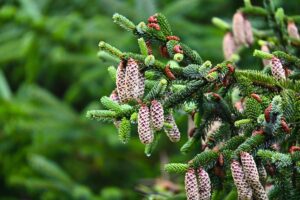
[(50, 72)]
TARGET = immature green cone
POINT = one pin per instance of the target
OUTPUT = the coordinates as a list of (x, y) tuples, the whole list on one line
[(238, 28), (132, 79), (173, 133), (252, 176), (243, 189), (124, 130), (204, 185), (277, 69), (248, 31), (144, 130), (157, 115), (229, 46), (120, 81), (191, 186), (141, 85), (293, 30)]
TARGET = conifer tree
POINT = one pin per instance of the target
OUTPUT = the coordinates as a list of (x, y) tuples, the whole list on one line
[(255, 152)]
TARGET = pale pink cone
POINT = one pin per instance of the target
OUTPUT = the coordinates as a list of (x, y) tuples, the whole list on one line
[(248, 32), (243, 189), (144, 130), (238, 28), (173, 133), (204, 185), (229, 46), (120, 81), (252, 176), (293, 30), (191, 186), (277, 69), (157, 115), (132, 79)]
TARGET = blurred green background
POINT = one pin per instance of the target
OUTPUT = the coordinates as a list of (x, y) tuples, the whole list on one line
[(50, 75)]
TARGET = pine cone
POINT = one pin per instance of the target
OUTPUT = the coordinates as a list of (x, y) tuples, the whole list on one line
[(229, 46), (277, 69), (191, 186), (141, 85), (262, 173), (243, 189), (204, 185), (157, 115), (252, 176), (173, 133), (120, 81), (248, 31), (132, 79), (293, 30), (265, 48), (238, 28), (144, 129)]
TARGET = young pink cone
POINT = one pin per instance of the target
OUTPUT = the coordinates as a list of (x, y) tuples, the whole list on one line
[(238, 28), (120, 81), (243, 189), (248, 31), (157, 115), (141, 85), (144, 130), (229, 46), (204, 185), (132, 79), (293, 30), (277, 69), (173, 133), (191, 186), (265, 48), (252, 176)]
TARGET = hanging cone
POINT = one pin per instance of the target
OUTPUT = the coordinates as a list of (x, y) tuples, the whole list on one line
[(243, 189), (293, 30), (204, 185), (191, 186), (120, 81), (252, 176), (229, 46), (157, 115), (277, 69), (173, 133), (144, 130), (238, 28), (132, 79), (248, 31)]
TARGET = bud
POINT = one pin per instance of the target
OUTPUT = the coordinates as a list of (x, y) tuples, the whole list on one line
[(178, 57), (243, 189), (268, 112), (204, 185), (149, 60), (248, 31), (144, 130), (229, 47), (141, 85), (157, 115), (173, 133), (252, 176), (141, 28), (238, 28), (277, 69), (120, 81), (114, 96), (191, 186), (293, 30), (131, 79), (265, 48)]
